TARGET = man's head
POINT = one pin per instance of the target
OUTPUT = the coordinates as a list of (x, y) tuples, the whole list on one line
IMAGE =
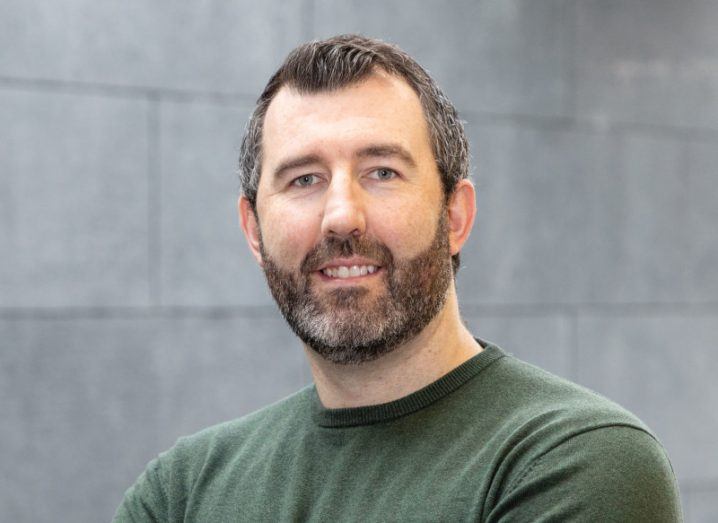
[(354, 202), (327, 65)]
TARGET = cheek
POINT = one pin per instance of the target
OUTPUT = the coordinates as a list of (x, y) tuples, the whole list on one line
[(406, 232), (288, 237)]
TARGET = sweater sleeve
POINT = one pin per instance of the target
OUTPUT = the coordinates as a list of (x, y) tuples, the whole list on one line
[(615, 473), (145, 501)]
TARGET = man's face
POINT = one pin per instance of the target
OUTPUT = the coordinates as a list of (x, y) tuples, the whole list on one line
[(351, 221)]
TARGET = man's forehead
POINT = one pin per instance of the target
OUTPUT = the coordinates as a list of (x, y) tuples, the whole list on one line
[(367, 111)]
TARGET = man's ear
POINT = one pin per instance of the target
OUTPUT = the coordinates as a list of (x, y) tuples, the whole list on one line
[(250, 226), (461, 210)]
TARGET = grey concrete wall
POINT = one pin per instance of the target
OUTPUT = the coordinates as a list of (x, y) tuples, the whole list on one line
[(131, 312)]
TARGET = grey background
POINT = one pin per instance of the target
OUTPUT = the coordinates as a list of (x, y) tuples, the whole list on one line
[(131, 312)]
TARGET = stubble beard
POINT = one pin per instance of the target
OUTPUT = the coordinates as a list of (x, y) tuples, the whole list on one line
[(348, 325)]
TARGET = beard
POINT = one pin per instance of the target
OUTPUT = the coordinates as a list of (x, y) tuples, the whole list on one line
[(349, 325)]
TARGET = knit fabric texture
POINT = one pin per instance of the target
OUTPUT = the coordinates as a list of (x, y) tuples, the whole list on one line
[(496, 439)]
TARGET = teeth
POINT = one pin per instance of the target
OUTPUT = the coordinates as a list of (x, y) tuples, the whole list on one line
[(349, 272)]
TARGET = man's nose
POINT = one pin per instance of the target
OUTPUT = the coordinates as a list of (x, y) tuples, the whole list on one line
[(344, 208)]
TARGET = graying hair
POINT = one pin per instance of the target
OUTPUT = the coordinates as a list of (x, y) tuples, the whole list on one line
[(339, 61)]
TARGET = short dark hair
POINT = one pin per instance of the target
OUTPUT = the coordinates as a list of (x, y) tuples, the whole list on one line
[(339, 61)]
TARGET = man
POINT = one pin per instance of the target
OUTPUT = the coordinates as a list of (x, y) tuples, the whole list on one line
[(356, 204)]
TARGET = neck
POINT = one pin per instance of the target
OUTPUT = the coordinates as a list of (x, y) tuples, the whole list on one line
[(443, 345)]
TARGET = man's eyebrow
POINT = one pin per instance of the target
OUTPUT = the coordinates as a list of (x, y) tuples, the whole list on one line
[(295, 163), (386, 150), (370, 151)]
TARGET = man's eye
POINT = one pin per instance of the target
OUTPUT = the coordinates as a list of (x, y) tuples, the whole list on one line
[(383, 174), (305, 180)]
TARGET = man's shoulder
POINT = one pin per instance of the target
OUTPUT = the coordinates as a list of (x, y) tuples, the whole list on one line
[(565, 449), (527, 411), (282, 410), (257, 426), (533, 395), (160, 493)]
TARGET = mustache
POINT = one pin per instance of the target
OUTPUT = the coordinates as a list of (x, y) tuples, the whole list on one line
[(333, 247)]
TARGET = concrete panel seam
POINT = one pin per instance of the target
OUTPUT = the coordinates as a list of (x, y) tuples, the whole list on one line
[(583, 124), (61, 313), (621, 309), (154, 201), (129, 91)]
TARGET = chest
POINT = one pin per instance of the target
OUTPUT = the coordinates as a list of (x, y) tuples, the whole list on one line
[(344, 477)]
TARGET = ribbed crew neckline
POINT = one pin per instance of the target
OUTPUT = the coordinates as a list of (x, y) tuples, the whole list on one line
[(371, 414)]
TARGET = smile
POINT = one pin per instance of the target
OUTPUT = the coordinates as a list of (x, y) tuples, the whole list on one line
[(353, 271)]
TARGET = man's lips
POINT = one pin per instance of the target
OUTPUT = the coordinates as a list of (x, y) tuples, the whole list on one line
[(354, 268), (349, 262), (349, 273)]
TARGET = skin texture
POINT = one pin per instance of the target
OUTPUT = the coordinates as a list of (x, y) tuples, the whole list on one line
[(361, 172)]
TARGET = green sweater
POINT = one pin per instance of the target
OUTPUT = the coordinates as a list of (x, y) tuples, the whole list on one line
[(496, 439)]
